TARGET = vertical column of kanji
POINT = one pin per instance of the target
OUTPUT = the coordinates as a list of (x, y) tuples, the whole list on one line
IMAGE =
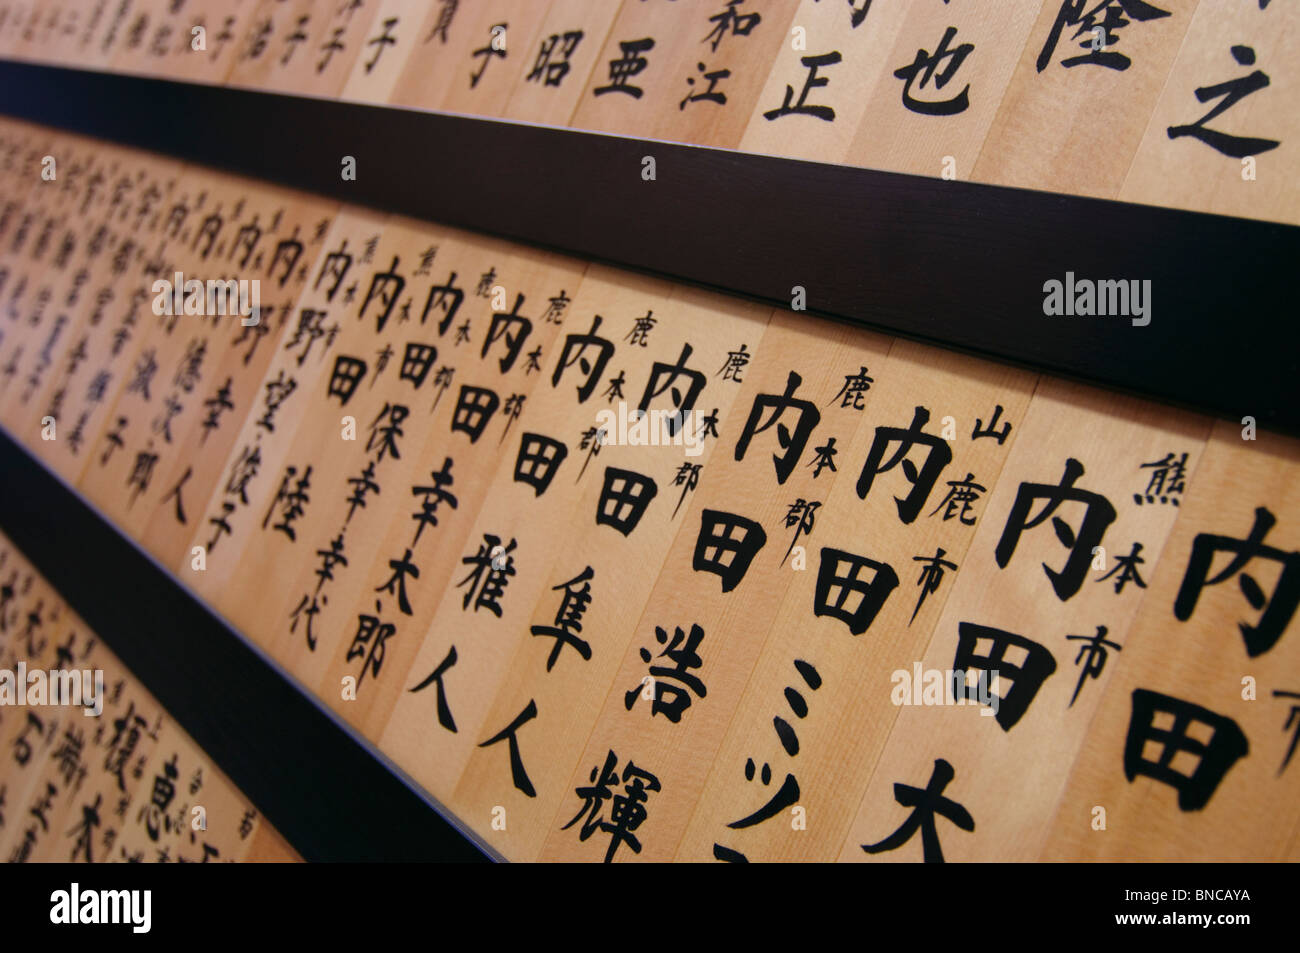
[(13, 572), (1082, 95), (12, 44), (31, 199), (323, 524), (692, 648), (56, 310), (23, 740), (306, 47), (823, 77), (65, 43), (1191, 755), (270, 37), (1225, 131), (71, 35), (276, 246), (563, 56), (159, 822), (89, 763), (136, 730), (612, 525), (993, 715), (32, 613), (205, 39), (500, 54), (459, 496), (87, 733), (721, 69), (882, 544), (122, 248), (489, 315), (170, 320), (393, 39), (10, 33), (125, 740), (134, 51), (77, 264), (26, 194), (217, 304), (108, 30), (39, 39), (640, 67), (950, 67), (444, 49), (265, 417), (210, 820), (341, 647)]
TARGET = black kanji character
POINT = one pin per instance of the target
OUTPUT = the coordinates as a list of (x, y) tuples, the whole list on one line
[(538, 460), (792, 442), (838, 582), (726, 545), (925, 805), (1212, 758), (510, 731), (1099, 515), (938, 456), (624, 496), (1025, 677)]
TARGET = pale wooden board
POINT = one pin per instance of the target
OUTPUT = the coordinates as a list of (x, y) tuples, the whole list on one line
[(225, 553), (38, 736), (1076, 129), (357, 589), (375, 74), (624, 568), (679, 754), (891, 136), (849, 717), (547, 92), (114, 305), (481, 82), (385, 529), (154, 354), (242, 364), (437, 61), (624, 112), (1202, 660), (1085, 129), (336, 35), (79, 284), (1111, 437), (857, 77), (26, 326)]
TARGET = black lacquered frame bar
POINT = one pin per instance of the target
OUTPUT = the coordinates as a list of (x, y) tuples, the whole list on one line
[(953, 263)]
